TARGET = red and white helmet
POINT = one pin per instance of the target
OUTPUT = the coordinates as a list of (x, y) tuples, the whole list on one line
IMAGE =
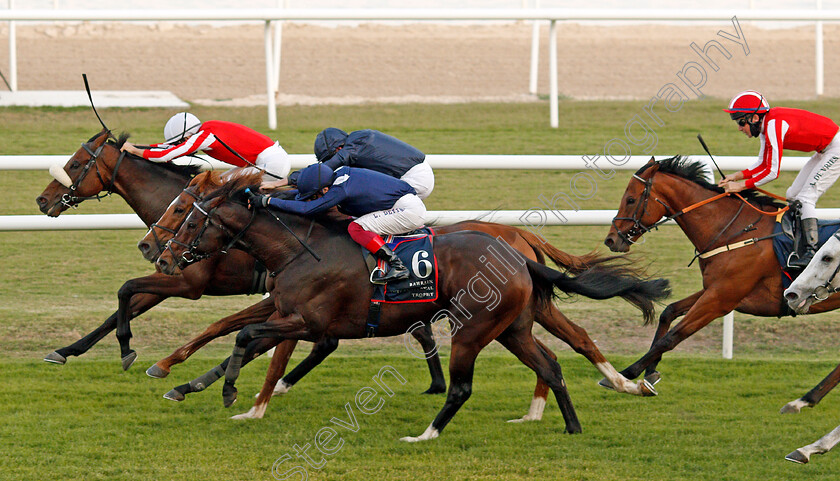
[(747, 102)]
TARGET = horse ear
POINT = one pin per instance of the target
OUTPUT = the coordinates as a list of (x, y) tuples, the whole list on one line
[(652, 160)]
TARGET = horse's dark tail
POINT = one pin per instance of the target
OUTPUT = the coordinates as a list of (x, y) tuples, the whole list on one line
[(601, 281)]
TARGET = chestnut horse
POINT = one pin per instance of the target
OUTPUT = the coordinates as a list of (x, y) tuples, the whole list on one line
[(525, 242), (743, 277), (317, 299)]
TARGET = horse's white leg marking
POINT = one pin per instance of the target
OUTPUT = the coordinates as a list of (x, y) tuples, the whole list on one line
[(280, 388), (821, 446), (430, 433), (794, 407), (622, 384), (256, 412), (535, 412)]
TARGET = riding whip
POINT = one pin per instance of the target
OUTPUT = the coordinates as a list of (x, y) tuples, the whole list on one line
[(700, 138), (90, 97)]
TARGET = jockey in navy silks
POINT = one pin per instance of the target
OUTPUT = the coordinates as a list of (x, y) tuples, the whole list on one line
[(381, 204)]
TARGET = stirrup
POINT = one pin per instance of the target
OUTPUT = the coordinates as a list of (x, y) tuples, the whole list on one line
[(378, 280)]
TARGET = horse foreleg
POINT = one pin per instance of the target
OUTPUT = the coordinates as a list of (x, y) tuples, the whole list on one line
[(279, 361), (275, 326), (671, 312), (461, 367), (815, 395), (254, 350), (140, 304), (256, 313), (158, 284), (710, 306), (821, 446), (427, 342)]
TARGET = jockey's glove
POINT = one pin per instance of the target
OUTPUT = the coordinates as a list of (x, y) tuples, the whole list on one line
[(256, 201)]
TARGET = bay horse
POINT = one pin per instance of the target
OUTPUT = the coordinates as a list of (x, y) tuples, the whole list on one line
[(730, 234), (316, 299), (148, 188), (528, 244)]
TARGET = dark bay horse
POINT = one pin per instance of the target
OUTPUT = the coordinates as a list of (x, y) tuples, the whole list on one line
[(99, 169), (525, 242), (745, 279), (317, 299)]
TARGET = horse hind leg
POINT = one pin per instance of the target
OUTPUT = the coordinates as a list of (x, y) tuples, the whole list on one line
[(821, 446), (461, 367), (557, 324), (519, 340), (535, 412), (815, 395), (279, 361)]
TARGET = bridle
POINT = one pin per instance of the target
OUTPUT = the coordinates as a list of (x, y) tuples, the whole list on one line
[(162, 245), (639, 229), (70, 200), (824, 291), (192, 253)]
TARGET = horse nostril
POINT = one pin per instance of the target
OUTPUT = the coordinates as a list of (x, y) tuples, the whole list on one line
[(791, 296), (41, 200), (609, 242), (144, 247)]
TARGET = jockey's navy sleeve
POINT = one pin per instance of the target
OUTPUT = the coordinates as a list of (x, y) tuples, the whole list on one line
[(331, 199), (340, 159)]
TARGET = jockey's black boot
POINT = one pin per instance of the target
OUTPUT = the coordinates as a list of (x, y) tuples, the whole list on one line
[(811, 236), (397, 270)]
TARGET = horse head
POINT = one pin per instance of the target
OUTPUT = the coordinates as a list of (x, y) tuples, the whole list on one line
[(73, 182), (639, 210), (818, 281), (210, 227)]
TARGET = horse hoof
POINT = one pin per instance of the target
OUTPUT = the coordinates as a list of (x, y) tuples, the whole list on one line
[(174, 395), (794, 407), (228, 395), (435, 389), (797, 457), (246, 415), (653, 378), (647, 388), (55, 358), (128, 360), (156, 372), (604, 383)]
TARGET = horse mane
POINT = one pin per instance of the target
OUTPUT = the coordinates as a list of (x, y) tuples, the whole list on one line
[(188, 171), (695, 171), (233, 189)]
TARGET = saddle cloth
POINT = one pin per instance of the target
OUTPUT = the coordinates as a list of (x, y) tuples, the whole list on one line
[(416, 252)]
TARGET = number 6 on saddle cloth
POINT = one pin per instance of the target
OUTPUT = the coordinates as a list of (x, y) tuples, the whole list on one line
[(416, 252)]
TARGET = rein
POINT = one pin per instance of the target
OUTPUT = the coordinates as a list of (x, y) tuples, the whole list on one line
[(641, 229), (192, 247), (161, 245)]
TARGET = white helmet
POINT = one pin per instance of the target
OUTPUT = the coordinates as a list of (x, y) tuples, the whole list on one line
[(180, 126)]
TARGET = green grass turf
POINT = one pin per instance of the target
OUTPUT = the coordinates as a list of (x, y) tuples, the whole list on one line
[(715, 419)]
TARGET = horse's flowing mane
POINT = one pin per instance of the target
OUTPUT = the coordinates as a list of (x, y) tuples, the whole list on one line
[(695, 171)]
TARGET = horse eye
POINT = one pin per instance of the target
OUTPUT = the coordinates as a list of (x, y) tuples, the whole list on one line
[(827, 258), (179, 210), (191, 225), (631, 201), (75, 164)]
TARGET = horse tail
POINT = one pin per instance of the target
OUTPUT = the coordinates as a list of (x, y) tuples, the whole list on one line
[(601, 281), (564, 260)]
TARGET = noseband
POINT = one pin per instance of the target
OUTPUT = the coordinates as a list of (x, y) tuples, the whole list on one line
[(70, 200), (192, 254), (825, 291), (162, 245)]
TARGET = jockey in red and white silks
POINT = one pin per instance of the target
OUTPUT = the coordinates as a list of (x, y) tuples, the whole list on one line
[(186, 135), (793, 129)]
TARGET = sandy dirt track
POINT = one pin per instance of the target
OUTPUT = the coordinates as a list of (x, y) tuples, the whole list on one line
[(418, 62)]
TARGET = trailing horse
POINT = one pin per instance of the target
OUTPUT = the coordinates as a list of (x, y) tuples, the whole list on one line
[(729, 232), (317, 299)]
